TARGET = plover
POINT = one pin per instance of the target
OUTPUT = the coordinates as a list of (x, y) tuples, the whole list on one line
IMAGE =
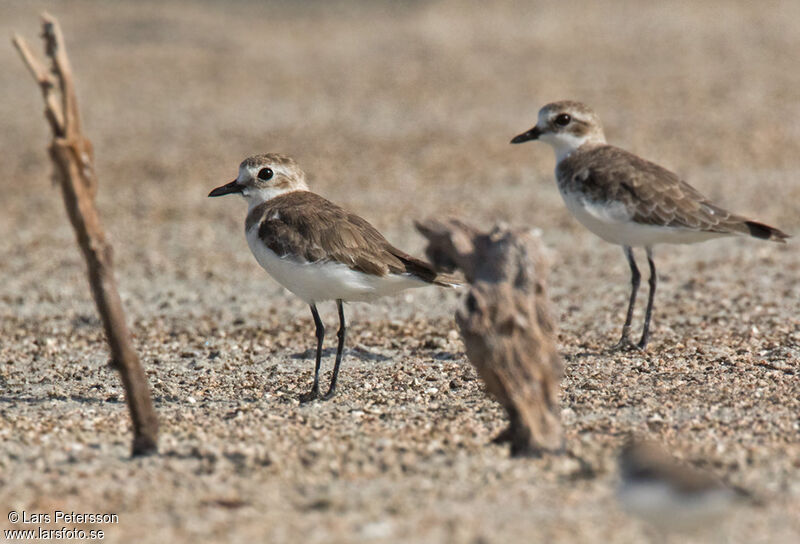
[(668, 495), (627, 200), (318, 250)]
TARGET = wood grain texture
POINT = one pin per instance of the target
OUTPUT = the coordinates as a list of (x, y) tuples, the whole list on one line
[(72, 156), (506, 325)]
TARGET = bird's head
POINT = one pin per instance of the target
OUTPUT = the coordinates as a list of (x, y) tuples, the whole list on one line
[(565, 125), (262, 177)]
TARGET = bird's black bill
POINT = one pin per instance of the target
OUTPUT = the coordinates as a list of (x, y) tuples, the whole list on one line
[(532, 134), (227, 189)]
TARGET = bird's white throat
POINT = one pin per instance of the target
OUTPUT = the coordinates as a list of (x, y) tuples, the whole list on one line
[(255, 196), (565, 144)]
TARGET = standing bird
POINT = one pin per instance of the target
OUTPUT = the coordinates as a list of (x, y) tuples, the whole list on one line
[(627, 200), (316, 249)]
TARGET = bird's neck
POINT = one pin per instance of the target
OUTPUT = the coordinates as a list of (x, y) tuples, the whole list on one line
[(566, 146), (256, 197)]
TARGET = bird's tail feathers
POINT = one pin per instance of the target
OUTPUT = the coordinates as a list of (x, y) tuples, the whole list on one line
[(765, 232), (425, 271)]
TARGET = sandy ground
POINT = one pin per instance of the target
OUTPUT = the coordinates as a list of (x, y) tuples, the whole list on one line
[(398, 111)]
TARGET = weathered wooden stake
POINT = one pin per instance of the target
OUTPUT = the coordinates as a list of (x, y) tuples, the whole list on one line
[(72, 156), (506, 326)]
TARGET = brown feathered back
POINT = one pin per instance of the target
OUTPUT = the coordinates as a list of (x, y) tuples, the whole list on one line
[(308, 227), (652, 195)]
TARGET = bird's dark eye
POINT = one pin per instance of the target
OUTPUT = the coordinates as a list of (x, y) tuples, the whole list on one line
[(563, 120), (265, 174)]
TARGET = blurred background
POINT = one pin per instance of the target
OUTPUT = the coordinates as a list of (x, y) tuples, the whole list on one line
[(398, 111)]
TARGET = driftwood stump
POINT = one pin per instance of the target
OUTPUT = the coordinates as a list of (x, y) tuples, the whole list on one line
[(73, 159), (506, 325)]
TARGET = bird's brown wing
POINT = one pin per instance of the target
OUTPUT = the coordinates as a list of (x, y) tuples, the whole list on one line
[(311, 228), (655, 196)]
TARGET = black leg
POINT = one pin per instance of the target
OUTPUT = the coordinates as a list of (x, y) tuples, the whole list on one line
[(314, 393), (624, 341), (339, 351), (648, 314)]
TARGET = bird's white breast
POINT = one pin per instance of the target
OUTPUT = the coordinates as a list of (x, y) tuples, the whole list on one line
[(320, 281)]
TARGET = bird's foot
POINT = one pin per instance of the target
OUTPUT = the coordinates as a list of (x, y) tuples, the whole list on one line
[(625, 344), (329, 395), (311, 395)]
